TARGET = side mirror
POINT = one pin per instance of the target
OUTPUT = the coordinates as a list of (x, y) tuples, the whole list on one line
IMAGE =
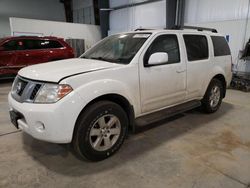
[(158, 58)]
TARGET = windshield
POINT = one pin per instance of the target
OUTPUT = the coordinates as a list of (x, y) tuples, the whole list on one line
[(117, 48)]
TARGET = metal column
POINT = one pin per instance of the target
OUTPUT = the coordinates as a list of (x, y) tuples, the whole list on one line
[(175, 10), (104, 16)]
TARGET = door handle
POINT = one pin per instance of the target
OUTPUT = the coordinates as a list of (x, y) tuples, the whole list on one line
[(180, 71)]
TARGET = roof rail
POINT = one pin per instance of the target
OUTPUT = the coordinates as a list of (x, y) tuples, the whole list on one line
[(196, 28), (142, 29)]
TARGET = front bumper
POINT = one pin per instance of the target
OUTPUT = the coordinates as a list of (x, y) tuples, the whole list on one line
[(49, 122)]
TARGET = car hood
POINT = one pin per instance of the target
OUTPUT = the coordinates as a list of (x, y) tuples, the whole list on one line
[(57, 70)]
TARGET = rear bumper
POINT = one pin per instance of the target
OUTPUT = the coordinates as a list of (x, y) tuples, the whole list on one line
[(48, 122)]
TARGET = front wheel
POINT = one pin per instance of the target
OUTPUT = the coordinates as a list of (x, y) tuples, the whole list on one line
[(100, 131), (213, 96)]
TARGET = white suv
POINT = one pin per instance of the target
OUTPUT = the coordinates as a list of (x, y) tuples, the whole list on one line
[(125, 80)]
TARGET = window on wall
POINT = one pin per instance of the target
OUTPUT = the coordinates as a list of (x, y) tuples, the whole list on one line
[(196, 46), (165, 43), (221, 47)]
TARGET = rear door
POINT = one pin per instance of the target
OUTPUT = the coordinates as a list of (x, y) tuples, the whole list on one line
[(164, 84), (55, 50), (198, 63)]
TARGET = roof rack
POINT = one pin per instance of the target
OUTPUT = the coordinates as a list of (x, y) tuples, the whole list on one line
[(142, 29), (196, 28)]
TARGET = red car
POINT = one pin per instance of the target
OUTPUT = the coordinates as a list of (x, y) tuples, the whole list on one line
[(18, 52)]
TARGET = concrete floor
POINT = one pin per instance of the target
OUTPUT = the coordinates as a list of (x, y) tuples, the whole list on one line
[(190, 150)]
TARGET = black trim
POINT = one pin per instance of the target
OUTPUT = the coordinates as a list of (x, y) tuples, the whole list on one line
[(40, 81), (134, 4), (195, 28), (166, 113), (148, 65), (132, 119), (81, 73), (143, 29)]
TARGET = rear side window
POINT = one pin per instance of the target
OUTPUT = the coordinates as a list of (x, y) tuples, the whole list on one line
[(31, 44), (197, 47), (221, 47), (165, 43), (50, 44)]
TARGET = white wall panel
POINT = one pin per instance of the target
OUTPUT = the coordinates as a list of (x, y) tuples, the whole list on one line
[(151, 15), (198, 11), (90, 33), (120, 20)]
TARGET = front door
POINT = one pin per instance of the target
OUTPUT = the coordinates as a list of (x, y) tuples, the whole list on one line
[(164, 84), (8, 57)]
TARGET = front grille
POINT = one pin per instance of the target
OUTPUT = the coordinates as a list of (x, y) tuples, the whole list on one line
[(34, 92), (20, 87), (25, 90)]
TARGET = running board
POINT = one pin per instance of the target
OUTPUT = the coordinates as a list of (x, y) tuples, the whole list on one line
[(166, 113)]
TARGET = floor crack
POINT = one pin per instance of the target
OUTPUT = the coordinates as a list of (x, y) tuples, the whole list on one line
[(13, 132), (228, 176)]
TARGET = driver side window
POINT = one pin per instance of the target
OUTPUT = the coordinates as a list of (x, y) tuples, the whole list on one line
[(164, 43), (13, 45)]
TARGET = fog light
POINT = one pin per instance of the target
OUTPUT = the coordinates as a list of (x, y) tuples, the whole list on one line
[(40, 126)]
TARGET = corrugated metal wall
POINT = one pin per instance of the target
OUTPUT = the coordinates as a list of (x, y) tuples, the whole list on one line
[(83, 11), (200, 11), (151, 15), (229, 17)]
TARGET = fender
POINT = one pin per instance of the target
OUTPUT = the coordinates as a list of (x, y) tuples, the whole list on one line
[(92, 90), (216, 70)]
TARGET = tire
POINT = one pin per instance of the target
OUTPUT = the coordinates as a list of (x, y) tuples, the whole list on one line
[(211, 102), (100, 131)]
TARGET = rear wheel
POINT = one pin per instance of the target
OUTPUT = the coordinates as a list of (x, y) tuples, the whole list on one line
[(213, 97), (100, 131)]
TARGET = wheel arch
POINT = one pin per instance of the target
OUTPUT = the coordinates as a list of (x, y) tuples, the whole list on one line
[(118, 99), (221, 78)]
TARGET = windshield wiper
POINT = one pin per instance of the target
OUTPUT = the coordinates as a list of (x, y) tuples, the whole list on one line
[(105, 59), (99, 58), (122, 60)]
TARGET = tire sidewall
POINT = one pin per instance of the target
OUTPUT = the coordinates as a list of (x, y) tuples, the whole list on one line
[(206, 99), (86, 123)]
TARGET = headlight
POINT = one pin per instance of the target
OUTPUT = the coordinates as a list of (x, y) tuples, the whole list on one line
[(51, 93)]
